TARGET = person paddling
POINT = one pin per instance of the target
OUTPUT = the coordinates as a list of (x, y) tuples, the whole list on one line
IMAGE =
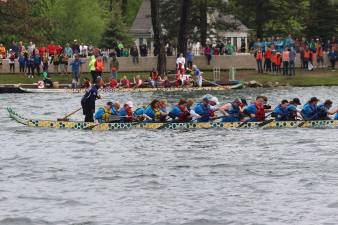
[(153, 112), (180, 112), (309, 111), (292, 109), (204, 111), (324, 110), (88, 100), (256, 110), (281, 113), (232, 111), (126, 113), (103, 114)]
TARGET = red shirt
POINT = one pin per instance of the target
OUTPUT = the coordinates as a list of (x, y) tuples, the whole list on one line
[(51, 49), (42, 51), (268, 54)]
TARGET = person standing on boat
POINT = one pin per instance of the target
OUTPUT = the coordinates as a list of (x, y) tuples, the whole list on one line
[(309, 111), (198, 75), (256, 110), (292, 109), (324, 110), (281, 113), (88, 100)]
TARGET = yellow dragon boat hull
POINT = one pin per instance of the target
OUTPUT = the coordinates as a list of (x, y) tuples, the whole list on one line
[(140, 125)]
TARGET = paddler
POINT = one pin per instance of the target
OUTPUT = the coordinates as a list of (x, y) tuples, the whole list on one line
[(256, 110), (232, 111), (153, 112), (204, 111), (104, 114), (309, 111), (324, 110), (180, 112), (88, 100), (126, 113), (281, 113), (292, 109)]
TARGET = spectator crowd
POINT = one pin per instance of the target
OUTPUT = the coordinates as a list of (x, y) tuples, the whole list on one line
[(278, 55)]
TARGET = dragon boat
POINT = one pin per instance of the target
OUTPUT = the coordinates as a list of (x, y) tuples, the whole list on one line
[(143, 125)]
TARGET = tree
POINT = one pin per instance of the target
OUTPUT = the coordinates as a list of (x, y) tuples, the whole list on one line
[(115, 32), (322, 19), (183, 32), (158, 37)]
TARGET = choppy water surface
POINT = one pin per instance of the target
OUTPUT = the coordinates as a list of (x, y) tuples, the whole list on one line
[(137, 177)]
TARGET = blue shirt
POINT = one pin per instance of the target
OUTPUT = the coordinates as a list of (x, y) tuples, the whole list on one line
[(76, 65), (150, 112), (251, 109), (336, 116), (322, 112), (309, 111), (197, 72), (175, 112), (203, 111), (190, 56), (281, 113), (22, 60)]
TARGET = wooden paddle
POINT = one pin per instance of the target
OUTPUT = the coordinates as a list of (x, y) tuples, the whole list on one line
[(262, 124), (65, 118), (302, 123)]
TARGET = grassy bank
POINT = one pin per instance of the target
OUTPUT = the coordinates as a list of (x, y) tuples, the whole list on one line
[(319, 77)]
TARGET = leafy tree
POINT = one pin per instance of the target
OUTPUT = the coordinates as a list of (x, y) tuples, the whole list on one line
[(183, 30)]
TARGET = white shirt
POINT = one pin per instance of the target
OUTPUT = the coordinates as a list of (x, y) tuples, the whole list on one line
[(180, 60)]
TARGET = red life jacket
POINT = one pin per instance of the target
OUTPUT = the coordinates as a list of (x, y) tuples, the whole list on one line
[(154, 76), (260, 113), (268, 54), (184, 116), (114, 83)]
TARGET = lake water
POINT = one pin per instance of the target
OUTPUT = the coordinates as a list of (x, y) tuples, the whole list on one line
[(198, 177)]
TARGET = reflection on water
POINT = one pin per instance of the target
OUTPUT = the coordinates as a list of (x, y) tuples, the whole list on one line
[(49, 176)]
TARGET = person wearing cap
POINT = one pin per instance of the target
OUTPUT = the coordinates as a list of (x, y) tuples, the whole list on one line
[(203, 110), (292, 109), (324, 110), (88, 101), (103, 114), (126, 113), (309, 111), (232, 111), (180, 112), (280, 113), (153, 112)]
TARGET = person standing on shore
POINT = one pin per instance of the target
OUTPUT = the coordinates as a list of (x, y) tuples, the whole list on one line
[(286, 57), (134, 53), (259, 58), (333, 58), (91, 67), (292, 59), (76, 64), (114, 67)]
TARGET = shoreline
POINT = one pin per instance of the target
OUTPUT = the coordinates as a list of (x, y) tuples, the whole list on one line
[(9, 83)]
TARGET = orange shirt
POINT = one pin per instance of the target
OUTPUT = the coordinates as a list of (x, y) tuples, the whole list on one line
[(3, 51), (307, 54), (320, 52)]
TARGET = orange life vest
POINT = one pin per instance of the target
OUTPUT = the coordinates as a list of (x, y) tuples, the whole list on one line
[(99, 65), (307, 54)]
